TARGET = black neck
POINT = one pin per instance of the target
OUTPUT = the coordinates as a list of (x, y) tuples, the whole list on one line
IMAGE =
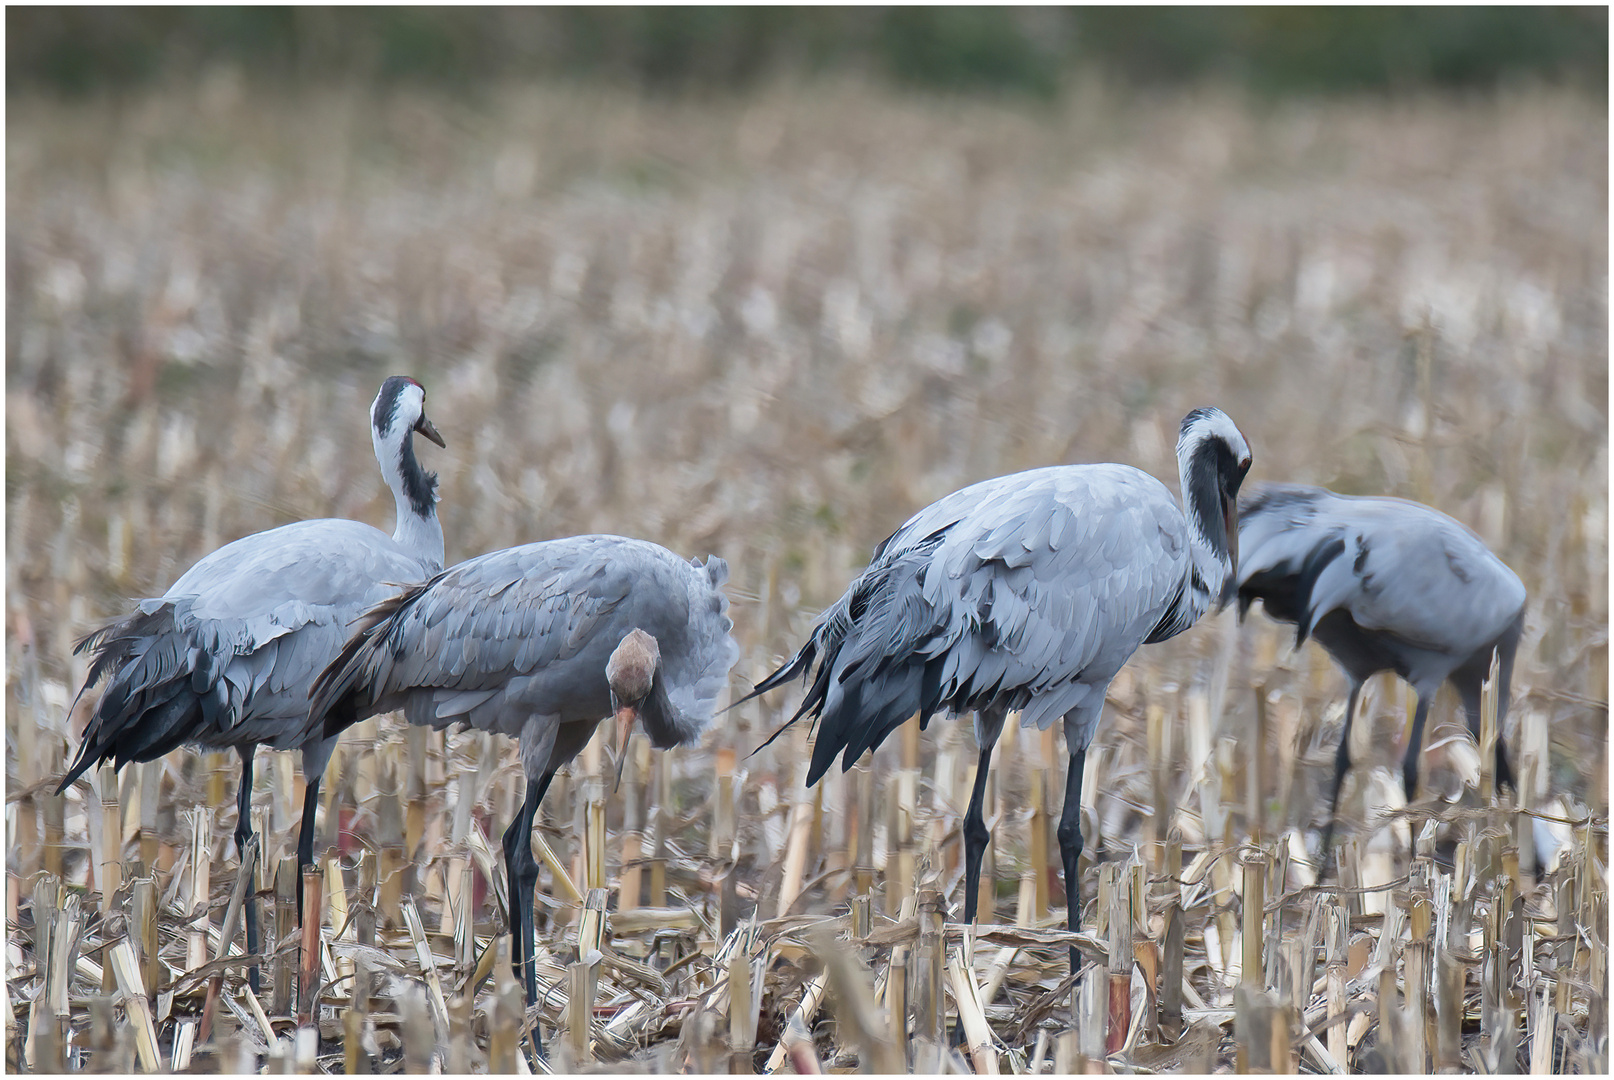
[(420, 486), (1208, 467)]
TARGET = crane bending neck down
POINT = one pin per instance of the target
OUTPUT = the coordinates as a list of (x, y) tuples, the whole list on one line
[(1212, 458), (1023, 593)]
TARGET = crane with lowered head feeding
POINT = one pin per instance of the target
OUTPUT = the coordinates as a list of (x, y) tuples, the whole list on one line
[(541, 642), (1385, 584)]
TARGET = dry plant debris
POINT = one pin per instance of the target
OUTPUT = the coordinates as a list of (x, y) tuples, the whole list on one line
[(770, 329)]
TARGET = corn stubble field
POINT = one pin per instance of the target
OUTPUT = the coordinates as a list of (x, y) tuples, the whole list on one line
[(771, 330)]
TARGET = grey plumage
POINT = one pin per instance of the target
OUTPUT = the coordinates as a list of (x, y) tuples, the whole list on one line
[(525, 632), (1027, 592), (518, 641), (226, 656), (1384, 585)]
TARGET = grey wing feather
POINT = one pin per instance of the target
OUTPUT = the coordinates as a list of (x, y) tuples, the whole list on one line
[(1425, 578), (699, 673), (532, 627), (1393, 565), (226, 656), (447, 635), (973, 603)]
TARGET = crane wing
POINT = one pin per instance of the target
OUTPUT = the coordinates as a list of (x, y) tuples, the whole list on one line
[(1025, 592), (534, 624), (1427, 580), (227, 654), (1394, 566)]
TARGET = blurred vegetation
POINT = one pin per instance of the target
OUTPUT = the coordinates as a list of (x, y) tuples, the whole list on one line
[(75, 50)]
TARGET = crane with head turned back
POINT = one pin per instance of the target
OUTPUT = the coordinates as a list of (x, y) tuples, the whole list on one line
[(1025, 593), (542, 642), (1385, 585), (225, 657)]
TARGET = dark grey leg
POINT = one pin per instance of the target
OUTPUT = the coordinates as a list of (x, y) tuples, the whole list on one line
[(243, 833), (1070, 848), (1409, 764), (1342, 765), (976, 836), (522, 870), (305, 840), (1506, 650)]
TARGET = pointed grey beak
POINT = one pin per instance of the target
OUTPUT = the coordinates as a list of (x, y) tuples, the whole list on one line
[(428, 429), (625, 716)]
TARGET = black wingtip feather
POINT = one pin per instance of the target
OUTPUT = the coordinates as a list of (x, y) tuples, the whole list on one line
[(796, 665), (875, 693), (158, 674), (1315, 564), (81, 764), (814, 696)]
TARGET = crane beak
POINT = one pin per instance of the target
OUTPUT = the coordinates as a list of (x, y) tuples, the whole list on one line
[(428, 429), (625, 716)]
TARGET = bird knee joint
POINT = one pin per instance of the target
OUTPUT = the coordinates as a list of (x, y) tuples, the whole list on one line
[(1070, 837), (976, 832)]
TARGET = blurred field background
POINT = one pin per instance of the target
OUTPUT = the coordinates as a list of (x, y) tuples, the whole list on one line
[(768, 316)]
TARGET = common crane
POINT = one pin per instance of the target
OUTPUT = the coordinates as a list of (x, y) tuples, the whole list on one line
[(1027, 592), (1384, 585), (542, 642), (226, 656)]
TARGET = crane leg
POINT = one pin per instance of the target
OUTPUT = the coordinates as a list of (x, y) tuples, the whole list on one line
[(243, 833), (976, 837), (521, 868), (988, 726), (1504, 768), (1506, 650), (305, 839), (1409, 764), (1342, 765), (1070, 847)]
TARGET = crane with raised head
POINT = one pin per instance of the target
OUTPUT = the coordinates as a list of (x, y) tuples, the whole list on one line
[(1024, 593), (1385, 584), (541, 642), (225, 657)]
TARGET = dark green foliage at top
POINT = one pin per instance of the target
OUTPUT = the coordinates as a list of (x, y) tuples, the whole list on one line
[(71, 50), (1278, 49)]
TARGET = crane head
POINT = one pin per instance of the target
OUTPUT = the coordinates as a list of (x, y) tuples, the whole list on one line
[(400, 398), (630, 673)]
